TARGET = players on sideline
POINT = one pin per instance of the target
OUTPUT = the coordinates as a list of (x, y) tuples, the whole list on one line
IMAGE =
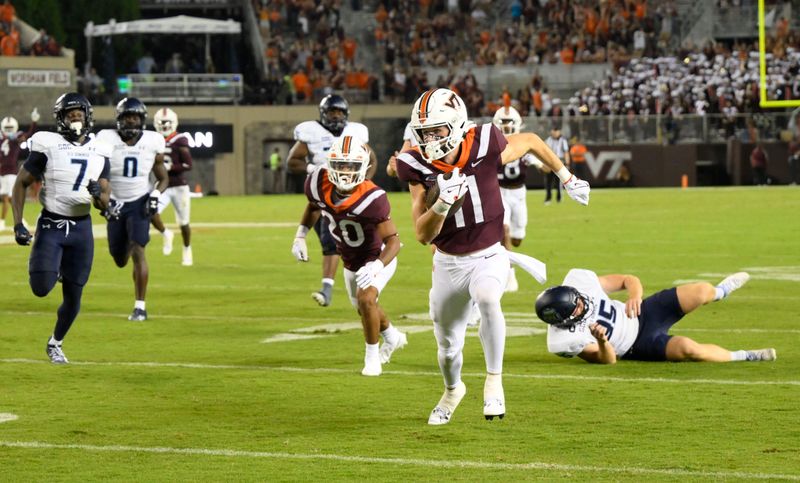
[(136, 153), (10, 140), (313, 140), (513, 191), (470, 262), (75, 170), (585, 322), (358, 213), (177, 160)]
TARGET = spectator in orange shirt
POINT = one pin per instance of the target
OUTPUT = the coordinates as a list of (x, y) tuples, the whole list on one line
[(349, 48), (577, 154), (9, 45), (7, 15), (381, 14), (302, 85), (567, 55)]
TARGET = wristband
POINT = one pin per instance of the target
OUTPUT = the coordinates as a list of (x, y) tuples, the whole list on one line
[(441, 208), (155, 194), (563, 174), (302, 231)]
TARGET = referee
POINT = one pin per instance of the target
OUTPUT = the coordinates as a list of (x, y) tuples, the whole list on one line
[(559, 146)]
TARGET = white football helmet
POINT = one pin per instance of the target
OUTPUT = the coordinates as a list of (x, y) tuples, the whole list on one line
[(508, 120), (9, 125), (165, 121), (348, 160), (435, 108)]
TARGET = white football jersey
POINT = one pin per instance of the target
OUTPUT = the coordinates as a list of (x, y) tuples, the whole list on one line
[(131, 165), (68, 171), (319, 140), (620, 329)]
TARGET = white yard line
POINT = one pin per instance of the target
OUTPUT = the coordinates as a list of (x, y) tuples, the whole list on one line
[(5, 417), (329, 370), (480, 465)]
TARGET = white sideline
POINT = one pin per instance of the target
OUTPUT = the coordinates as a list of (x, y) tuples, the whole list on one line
[(5, 417), (232, 453), (481, 375)]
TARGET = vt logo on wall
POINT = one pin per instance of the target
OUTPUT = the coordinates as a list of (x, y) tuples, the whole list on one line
[(596, 163)]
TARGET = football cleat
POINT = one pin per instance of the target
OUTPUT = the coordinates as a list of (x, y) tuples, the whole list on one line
[(372, 367), (56, 354), (138, 315), (494, 400), (450, 400), (388, 349), (169, 236), (733, 282), (762, 355), (321, 299), (187, 260)]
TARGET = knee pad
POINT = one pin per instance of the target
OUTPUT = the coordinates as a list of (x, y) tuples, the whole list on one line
[(42, 282), (449, 353)]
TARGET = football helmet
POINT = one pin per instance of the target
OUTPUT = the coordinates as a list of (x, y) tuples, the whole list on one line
[(67, 102), (556, 306), (9, 126), (330, 121), (508, 120), (128, 130), (165, 121), (348, 160), (436, 108)]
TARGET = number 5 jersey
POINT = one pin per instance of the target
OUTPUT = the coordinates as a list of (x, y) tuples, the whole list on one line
[(620, 329)]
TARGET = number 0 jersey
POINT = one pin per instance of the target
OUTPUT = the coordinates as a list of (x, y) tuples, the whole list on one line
[(353, 220), (131, 165), (621, 330), (66, 171), (319, 140)]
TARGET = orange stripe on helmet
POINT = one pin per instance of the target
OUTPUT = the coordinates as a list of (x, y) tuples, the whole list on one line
[(423, 105), (346, 145)]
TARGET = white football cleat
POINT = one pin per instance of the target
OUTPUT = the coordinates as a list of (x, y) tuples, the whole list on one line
[(450, 400), (372, 367), (762, 355), (388, 349), (187, 257), (733, 282), (169, 236), (494, 399), (512, 285)]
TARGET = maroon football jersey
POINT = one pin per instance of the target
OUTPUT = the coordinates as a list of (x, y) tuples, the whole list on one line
[(353, 220), (479, 222), (512, 175), (9, 153), (181, 158)]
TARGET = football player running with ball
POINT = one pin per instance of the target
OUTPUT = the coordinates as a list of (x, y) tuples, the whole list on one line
[(470, 262), (313, 140), (75, 172), (136, 153), (358, 215), (585, 322)]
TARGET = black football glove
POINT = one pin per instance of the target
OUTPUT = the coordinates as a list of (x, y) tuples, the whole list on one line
[(22, 235), (152, 205), (112, 212), (94, 189)]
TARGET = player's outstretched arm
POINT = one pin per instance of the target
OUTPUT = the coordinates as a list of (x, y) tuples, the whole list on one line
[(296, 159), (309, 218), (631, 283)]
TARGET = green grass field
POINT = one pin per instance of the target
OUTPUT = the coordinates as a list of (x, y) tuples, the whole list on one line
[(196, 394)]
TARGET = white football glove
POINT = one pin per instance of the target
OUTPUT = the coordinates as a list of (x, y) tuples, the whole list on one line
[(35, 116), (365, 276), (452, 189), (300, 250), (578, 189)]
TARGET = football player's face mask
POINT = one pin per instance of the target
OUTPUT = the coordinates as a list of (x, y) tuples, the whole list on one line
[(76, 119), (348, 160), (439, 123)]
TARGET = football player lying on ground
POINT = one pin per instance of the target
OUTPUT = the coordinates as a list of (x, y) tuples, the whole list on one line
[(585, 322), (359, 219)]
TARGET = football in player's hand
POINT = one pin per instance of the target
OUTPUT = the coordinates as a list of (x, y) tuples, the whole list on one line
[(432, 194)]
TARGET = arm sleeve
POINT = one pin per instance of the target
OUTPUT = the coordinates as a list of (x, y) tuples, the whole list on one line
[(35, 164)]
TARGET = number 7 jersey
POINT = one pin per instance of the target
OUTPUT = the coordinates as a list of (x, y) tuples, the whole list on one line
[(131, 165), (621, 330)]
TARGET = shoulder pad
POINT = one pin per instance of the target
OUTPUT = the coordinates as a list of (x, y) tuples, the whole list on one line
[(42, 140), (305, 131)]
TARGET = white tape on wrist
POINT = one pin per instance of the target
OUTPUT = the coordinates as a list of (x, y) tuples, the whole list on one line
[(441, 208), (563, 174), (302, 231)]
